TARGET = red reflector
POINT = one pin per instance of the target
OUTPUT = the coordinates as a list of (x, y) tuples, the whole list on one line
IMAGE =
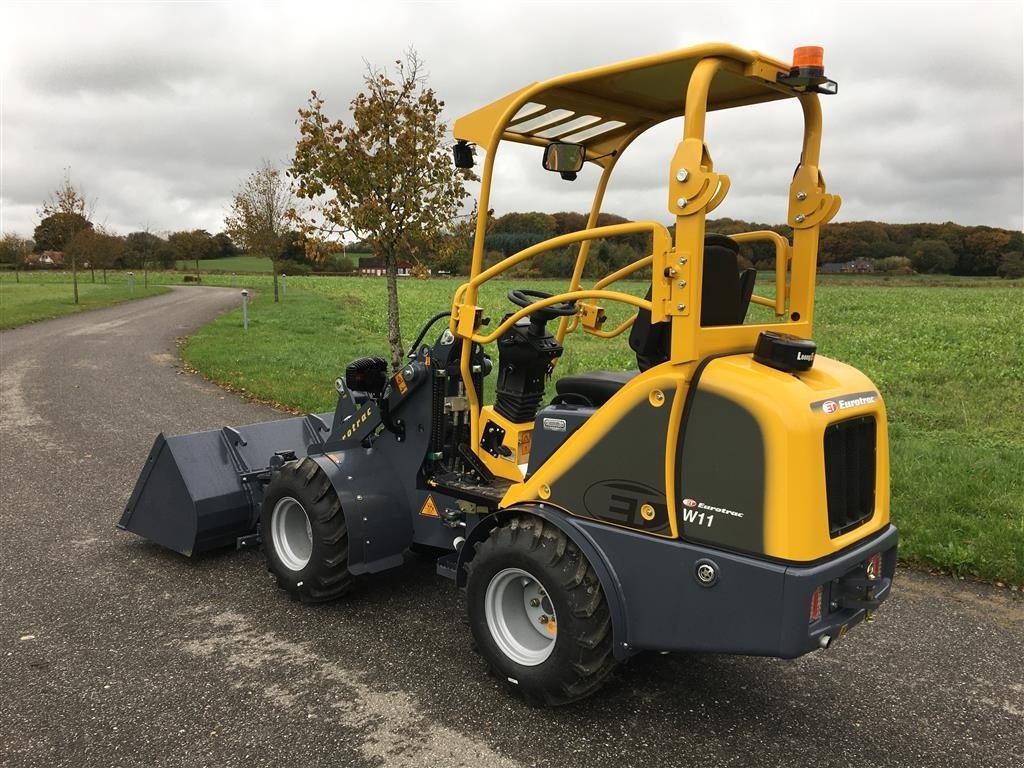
[(875, 566), (815, 606)]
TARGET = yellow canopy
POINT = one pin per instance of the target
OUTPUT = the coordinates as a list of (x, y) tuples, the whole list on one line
[(607, 107)]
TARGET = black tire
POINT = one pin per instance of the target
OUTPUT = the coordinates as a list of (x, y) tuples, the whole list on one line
[(581, 658), (325, 576)]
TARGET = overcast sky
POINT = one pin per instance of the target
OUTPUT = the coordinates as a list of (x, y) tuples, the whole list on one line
[(161, 109)]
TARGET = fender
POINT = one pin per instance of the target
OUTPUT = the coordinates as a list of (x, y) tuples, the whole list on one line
[(606, 574)]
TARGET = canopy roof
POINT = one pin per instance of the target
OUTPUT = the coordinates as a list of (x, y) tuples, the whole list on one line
[(606, 107)]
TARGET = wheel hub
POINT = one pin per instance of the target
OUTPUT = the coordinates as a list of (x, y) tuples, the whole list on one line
[(520, 616), (291, 534)]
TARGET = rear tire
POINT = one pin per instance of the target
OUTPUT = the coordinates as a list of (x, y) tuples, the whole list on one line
[(538, 613), (305, 538)]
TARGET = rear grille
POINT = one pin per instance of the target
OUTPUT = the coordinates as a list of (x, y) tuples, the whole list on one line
[(850, 473)]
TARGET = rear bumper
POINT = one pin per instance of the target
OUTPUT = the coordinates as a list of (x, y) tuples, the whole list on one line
[(755, 606), (843, 604)]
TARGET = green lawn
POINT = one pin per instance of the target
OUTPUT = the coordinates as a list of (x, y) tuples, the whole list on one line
[(232, 264), (33, 299), (947, 355)]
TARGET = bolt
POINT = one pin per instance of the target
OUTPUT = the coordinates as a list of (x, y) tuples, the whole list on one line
[(542, 619), (681, 202), (359, 498), (869, 616), (682, 259), (534, 601), (801, 195), (682, 283), (682, 174), (800, 218), (658, 395), (680, 307), (834, 605)]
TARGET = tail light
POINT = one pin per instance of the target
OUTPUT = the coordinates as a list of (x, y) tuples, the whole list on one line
[(815, 606), (874, 568)]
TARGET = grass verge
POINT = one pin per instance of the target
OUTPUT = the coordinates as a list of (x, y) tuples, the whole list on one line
[(949, 362), (27, 302)]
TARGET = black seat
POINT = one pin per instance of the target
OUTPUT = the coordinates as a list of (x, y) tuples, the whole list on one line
[(725, 297), (595, 388)]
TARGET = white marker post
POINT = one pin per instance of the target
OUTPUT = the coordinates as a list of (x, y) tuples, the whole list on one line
[(245, 309), (131, 283)]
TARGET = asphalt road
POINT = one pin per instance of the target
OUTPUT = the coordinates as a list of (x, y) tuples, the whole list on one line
[(116, 653)]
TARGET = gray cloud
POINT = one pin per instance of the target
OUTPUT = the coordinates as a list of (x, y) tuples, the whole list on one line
[(161, 109)]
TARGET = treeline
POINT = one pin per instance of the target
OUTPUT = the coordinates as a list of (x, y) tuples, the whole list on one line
[(891, 248), (60, 236)]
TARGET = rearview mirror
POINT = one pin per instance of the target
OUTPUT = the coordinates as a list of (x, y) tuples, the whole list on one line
[(562, 157)]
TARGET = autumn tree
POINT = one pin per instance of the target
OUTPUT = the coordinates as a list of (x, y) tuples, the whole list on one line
[(15, 250), (259, 217), (193, 245), (64, 214), (385, 176), (96, 249)]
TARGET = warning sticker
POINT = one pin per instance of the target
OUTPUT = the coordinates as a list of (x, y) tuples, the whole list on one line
[(429, 508)]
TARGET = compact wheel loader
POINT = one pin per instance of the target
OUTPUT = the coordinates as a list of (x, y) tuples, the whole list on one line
[(730, 494)]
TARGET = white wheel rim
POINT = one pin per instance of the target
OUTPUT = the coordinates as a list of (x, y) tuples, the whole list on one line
[(520, 617), (291, 534)]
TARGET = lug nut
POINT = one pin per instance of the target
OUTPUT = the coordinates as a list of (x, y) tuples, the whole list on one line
[(534, 601), (543, 619)]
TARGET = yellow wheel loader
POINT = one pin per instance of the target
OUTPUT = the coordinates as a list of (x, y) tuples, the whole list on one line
[(730, 494)]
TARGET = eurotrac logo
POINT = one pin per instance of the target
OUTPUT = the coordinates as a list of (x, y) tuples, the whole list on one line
[(845, 402)]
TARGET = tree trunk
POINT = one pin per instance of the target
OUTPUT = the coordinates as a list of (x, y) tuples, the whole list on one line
[(197, 269), (104, 275), (394, 329), (92, 271), (145, 274), (274, 267), (16, 275), (74, 276)]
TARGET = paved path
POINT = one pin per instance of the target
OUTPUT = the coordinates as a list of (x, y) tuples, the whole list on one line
[(116, 653)]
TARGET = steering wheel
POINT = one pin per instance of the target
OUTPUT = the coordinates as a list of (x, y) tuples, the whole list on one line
[(524, 298)]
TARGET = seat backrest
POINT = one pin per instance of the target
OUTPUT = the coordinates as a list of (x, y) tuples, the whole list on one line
[(725, 296), (720, 293)]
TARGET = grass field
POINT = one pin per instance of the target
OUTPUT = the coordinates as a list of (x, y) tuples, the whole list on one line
[(232, 264), (34, 299), (947, 355)]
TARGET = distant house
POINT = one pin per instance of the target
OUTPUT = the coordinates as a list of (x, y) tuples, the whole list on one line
[(374, 265), (49, 258), (857, 266)]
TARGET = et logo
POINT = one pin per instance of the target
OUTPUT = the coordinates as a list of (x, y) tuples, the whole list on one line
[(830, 406), (689, 503)]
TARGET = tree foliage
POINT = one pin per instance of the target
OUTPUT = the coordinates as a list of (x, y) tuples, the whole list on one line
[(56, 230), (15, 250), (932, 256), (96, 249), (384, 177), (259, 217), (63, 216)]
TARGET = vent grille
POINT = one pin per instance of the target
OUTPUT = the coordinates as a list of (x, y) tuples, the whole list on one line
[(850, 473)]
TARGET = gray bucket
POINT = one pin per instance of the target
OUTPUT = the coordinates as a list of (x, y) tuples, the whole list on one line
[(201, 491)]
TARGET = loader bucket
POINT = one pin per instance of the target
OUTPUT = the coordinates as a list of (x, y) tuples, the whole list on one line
[(201, 491)]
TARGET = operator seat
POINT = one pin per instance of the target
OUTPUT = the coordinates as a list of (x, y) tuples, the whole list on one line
[(725, 298)]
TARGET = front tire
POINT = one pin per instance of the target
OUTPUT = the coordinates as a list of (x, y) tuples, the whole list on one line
[(538, 613), (305, 538)]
